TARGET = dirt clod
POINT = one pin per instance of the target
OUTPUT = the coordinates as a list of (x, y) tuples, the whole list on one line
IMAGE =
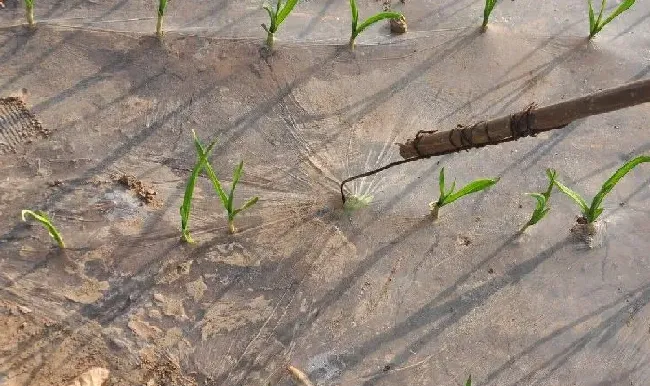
[(93, 377), (55, 183), (163, 369), (591, 233), (398, 26), (25, 310), (146, 194), (463, 240)]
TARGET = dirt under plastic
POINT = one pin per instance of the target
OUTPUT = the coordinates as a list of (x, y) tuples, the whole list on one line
[(382, 296)]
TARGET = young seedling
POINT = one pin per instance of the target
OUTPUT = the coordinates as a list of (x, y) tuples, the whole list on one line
[(541, 208), (469, 381), (358, 28), (277, 17), (189, 188), (597, 24), (489, 6), (226, 200), (29, 12), (590, 213), (162, 6), (357, 201), (451, 196), (45, 221)]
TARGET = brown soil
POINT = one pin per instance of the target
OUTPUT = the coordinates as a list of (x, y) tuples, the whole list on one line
[(17, 124), (340, 296), (144, 193)]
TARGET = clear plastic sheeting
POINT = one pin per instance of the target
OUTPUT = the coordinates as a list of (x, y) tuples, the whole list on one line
[(379, 296)]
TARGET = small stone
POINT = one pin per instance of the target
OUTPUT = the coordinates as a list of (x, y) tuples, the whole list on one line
[(25, 310), (463, 240)]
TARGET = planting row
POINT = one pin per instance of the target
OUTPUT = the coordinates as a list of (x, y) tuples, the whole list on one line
[(279, 13), (589, 211)]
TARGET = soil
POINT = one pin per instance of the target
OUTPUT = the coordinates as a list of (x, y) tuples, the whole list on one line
[(147, 195), (398, 26), (17, 124), (377, 296)]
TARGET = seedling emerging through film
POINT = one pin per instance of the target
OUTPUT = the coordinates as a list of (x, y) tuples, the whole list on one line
[(45, 221), (357, 201), (590, 213), (489, 6), (451, 196), (277, 17), (29, 12), (358, 28), (597, 24), (469, 381), (226, 200), (162, 6), (541, 208), (189, 189)]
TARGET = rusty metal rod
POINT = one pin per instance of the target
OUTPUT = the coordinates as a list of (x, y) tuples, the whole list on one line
[(525, 123)]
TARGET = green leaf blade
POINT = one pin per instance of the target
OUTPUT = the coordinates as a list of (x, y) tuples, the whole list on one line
[(355, 16), (592, 18), (541, 200), (540, 210), (216, 184), (441, 182), (44, 220), (375, 18), (451, 189), (284, 12), (247, 205), (551, 174), (489, 7), (162, 6), (600, 14), (272, 17), (235, 179), (186, 206), (613, 180), (472, 187), (574, 196), (203, 156), (624, 6)]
